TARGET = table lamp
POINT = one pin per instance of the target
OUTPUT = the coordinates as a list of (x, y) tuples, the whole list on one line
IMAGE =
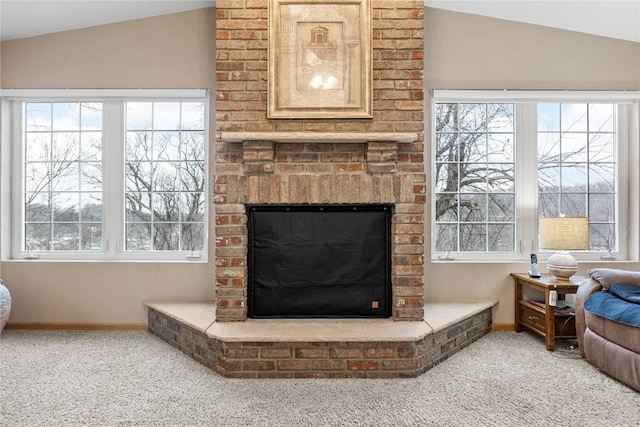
[(563, 234)]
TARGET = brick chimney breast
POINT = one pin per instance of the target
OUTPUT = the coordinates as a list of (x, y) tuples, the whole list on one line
[(378, 160)]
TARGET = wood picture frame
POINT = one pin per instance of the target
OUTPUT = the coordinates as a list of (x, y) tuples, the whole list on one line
[(319, 59)]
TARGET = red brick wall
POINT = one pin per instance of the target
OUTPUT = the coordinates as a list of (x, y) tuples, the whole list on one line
[(271, 172)]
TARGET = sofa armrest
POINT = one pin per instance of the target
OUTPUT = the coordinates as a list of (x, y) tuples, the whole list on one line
[(585, 290), (607, 276)]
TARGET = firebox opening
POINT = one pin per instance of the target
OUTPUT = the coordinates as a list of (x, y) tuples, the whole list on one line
[(329, 260)]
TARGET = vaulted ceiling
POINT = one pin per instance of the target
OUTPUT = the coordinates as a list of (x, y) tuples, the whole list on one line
[(610, 18)]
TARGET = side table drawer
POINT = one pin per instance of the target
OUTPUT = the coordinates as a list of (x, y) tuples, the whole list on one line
[(532, 318)]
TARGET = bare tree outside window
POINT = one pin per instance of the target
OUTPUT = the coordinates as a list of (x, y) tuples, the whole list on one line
[(475, 172), (577, 167), (62, 176), (63, 182), (475, 178), (165, 176)]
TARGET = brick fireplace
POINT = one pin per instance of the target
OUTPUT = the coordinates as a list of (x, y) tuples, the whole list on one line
[(265, 162), (262, 161)]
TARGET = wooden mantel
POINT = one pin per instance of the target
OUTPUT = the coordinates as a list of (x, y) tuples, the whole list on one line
[(315, 137)]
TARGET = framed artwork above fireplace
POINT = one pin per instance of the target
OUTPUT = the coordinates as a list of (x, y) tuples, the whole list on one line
[(319, 59)]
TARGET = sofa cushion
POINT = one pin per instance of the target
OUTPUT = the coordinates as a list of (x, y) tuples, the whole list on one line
[(626, 292), (613, 308)]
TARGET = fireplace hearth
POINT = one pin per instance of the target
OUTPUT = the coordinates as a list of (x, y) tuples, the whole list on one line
[(319, 260)]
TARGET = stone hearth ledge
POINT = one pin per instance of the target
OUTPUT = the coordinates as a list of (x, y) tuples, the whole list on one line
[(315, 137), (438, 316)]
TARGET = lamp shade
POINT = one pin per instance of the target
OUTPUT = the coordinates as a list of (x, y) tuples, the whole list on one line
[(564, 233)]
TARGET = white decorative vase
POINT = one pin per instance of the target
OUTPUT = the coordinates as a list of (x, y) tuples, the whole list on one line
[(5, 305)]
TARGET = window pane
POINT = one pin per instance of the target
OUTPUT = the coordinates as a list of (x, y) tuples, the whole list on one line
[(473, 118), (37, 117), (193, 116), (65, 237), (602, 177), (37, 207), (500, 177), (91, 237), (166, 115), (602, 118), (139, 115), (166, 237), (574, 177), (192, 207), (38, 237), (91, 116), (38, 147), (447, 147), (192, 145), (138, 237), (573, 117), (37, 176), (446, 238), (91, 207), (473, 147), (63, 171), (138, 146), (478, 155), (573, 205), (193, 236), (548, 205), (548, 117), (66, 207), (91, 176), (138, 207), (548, 177), (447, 117), (500, 147), (601, 207), (138, 176), (548, 147), (91, 146), (166, 145), (447, 177), (473, 238), (577, 167), (166, 177), (66, 116), (65, 176), (501, 237), (602, 237), (473, 207), (501, 207), (165, 174), (500, 117)]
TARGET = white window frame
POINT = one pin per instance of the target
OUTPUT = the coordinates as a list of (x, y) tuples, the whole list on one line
[(526, 188), (113, 177)]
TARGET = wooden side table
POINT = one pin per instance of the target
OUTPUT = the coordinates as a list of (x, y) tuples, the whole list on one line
[(545, 320)]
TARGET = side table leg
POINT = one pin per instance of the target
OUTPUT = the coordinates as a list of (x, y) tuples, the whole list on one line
[(550, 325), (518, 297)]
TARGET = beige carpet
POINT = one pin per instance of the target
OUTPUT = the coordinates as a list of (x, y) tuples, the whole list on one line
[(71, 378)]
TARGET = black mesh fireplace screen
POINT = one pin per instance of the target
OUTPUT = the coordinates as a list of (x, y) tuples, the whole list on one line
[(319, 260)]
